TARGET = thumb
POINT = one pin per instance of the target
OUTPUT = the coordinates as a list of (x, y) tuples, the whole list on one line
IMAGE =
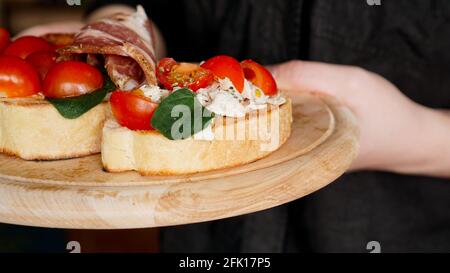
[(56, 27), (305, 76)]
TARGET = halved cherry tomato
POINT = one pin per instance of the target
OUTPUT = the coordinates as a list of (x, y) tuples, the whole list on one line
[(4, 39), (25, 45), (172, 74), (225, 66), (132, 110), (70, 79), (259, 76), (42, 61), (17, 77)]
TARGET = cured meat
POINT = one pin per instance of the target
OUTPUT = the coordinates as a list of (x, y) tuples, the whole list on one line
[(93, 60), (124, 72), (126, 41)]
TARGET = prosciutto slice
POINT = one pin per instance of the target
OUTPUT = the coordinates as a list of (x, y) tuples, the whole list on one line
[(124, 71), (127, 44)]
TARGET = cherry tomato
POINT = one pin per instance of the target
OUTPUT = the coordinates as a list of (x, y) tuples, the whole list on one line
[(132, 110), (171, 74), (42, 61), (25, 45), (17, 77), (259, 76), (70, 79), (4, 39), (225, 66)]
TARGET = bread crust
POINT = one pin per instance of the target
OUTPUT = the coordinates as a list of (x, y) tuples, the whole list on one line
[(150, 153), (32, 129)]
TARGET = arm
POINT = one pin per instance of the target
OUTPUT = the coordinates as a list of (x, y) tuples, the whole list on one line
[(397, 134), (435, 142)]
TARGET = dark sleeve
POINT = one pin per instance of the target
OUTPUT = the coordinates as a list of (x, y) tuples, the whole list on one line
[(189, 27)]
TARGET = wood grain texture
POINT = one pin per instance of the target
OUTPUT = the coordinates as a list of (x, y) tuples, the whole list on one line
[(76, 193)]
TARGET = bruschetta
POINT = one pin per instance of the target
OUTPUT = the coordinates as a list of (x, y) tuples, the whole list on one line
[(199, 118)]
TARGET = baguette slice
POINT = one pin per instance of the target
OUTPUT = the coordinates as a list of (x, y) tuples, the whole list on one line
[(150, 153), (32, 129)]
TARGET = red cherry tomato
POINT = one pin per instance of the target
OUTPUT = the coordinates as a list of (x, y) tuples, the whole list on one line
[(132, 110), (70, 79), (259, 76), (225, 66), (172, 74), (4, 39), (42, 61), (17, 78), (25, 45)]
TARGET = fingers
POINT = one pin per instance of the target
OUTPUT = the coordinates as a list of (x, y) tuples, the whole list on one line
[(57, 27), (314, 77), (109, 10)]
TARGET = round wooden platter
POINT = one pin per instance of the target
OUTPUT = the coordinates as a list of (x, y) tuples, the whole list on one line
[(77, 193)]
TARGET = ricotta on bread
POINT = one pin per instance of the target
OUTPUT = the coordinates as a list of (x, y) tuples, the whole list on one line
[(234, 142)]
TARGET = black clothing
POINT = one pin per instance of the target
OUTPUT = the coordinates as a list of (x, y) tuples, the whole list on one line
[(405, 41)]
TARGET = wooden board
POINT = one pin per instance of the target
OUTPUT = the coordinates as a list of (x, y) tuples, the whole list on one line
[(77, 193)]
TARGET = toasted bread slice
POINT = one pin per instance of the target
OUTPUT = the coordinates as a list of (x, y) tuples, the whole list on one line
[(31, 128), (59, 39), (150, 153)]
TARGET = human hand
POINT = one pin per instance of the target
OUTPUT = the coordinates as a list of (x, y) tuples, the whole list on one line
[(103, 12), (75, 26), (56, 27), (393, 128)]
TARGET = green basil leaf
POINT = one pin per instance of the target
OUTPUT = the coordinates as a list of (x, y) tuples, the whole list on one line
[(180, 115), (74, 107)]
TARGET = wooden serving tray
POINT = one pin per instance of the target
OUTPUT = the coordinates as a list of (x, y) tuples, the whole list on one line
[(77, 193)]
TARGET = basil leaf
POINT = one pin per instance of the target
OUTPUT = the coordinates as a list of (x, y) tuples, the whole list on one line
[(180, 115), (74, 107)]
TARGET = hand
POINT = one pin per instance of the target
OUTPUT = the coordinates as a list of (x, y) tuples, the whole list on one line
[(397, 134), (103, 12), (75, 26), (57, 27)]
